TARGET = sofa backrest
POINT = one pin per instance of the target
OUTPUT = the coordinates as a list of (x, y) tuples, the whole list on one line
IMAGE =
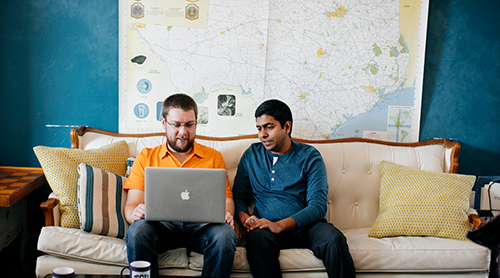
[(352, 165)]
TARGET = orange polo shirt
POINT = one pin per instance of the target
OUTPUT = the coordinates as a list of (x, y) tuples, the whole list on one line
[(160, 156)]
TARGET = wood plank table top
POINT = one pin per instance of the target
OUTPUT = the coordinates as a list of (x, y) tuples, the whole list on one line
[(17, 182)]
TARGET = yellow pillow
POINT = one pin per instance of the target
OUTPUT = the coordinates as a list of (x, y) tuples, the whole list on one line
[(420, 203), (60, 168)]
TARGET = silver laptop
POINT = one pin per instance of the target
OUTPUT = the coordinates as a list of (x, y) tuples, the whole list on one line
[(185, 194)]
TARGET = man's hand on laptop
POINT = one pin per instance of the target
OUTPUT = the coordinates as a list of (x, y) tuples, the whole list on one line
[(138, 212), (229, 219)]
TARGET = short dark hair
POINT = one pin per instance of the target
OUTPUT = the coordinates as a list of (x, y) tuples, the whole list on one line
[(278, 110), (181, 101)]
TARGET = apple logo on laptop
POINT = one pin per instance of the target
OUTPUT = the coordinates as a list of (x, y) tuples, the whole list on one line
[(185, 195)]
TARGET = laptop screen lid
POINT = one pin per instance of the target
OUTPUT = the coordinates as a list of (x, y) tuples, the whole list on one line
[(185, 194)]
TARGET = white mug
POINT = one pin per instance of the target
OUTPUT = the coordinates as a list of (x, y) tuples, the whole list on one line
[(138, 269), (63, 272)]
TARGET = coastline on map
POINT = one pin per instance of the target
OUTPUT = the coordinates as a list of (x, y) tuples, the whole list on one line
[(371, 119)]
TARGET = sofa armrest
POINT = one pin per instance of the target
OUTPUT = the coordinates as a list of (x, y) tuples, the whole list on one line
[(48, 207)]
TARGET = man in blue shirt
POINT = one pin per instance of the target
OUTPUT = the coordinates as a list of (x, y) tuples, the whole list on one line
[(288, 183)]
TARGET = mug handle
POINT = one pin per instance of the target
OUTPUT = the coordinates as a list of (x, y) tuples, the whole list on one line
[(121, 272)]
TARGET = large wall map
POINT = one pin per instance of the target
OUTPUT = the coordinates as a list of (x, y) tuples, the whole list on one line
[(346, 68)]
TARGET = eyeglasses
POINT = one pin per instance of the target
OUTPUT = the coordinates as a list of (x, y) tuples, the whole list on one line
[(178, 125)]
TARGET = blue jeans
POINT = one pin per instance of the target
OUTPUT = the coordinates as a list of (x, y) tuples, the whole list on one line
[(322, 238), (217, 242)]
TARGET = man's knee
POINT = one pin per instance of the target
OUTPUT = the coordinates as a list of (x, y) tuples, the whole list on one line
[(223, 236), (328, 235), (337, 240), (260, 238)]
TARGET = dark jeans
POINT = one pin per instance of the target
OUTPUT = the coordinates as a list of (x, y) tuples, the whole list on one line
[(322, 238), (217, 242)]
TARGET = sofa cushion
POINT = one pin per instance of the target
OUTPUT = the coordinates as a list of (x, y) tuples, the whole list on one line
[(101, 202), (392, 254), (421, 203), (414, 254), (291, 260), (60, 168), (77, 244)]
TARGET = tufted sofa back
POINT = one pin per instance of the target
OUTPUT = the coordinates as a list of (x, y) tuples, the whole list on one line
[(352, 165)]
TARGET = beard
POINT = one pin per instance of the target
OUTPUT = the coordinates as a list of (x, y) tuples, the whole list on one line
[(181, 149)]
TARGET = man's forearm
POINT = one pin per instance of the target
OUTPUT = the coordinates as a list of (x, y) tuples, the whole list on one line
[(287, 224), (230, 205), (243, 216), (129, 210)]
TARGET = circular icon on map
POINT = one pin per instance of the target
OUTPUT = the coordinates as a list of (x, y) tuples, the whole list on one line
[(137, 10), (144, 86), (192, 12), (141, 110)]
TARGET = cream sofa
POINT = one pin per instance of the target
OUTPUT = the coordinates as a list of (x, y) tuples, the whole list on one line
[(353, 204)]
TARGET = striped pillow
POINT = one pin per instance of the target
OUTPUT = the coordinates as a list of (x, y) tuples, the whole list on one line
[(101, 202)]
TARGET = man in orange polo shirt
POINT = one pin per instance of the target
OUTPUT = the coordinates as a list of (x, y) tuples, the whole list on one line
[(147, 239)]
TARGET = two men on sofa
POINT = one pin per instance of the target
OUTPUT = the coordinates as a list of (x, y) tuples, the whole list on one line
[(287, 181)]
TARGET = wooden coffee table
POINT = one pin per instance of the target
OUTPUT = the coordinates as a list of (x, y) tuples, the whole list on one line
[(17, 182)]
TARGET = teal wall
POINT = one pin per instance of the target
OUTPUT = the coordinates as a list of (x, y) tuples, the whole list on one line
[(59, 66), (461, 93)]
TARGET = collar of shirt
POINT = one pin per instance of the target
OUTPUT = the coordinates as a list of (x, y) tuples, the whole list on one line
[(196, 151), (275, 157)]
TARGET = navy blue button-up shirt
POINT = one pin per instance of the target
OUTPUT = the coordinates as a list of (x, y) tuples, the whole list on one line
[(296, 185)]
